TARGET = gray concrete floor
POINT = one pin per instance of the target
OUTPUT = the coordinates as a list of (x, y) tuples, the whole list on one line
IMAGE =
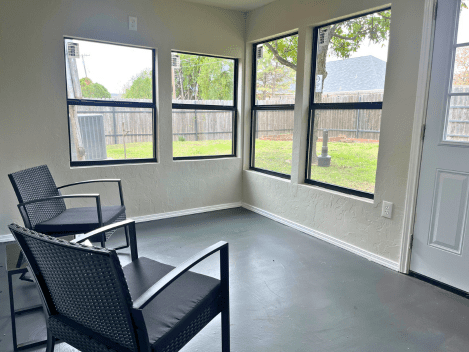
[(290, 292)]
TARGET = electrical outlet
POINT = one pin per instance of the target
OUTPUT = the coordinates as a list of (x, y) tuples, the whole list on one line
[(386, 210), (132, 23)]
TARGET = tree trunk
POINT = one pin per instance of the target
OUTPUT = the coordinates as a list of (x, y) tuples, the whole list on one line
[(320, 70), (74, 84)]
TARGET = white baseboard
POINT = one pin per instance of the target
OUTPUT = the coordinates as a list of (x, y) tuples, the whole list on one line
[(151, 217), (344, 245), (173, 214), (6, 238)]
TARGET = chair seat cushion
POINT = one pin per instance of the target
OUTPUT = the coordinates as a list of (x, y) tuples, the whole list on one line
[(79, 220), (173, 309)]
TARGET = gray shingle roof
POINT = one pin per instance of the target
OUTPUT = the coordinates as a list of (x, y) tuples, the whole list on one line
[(360, 73)]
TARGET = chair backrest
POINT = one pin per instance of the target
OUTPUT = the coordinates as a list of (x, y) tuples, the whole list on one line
[(36, 183), (82, 287)]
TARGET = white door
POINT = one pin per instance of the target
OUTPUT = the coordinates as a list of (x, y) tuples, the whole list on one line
[(441, 240)]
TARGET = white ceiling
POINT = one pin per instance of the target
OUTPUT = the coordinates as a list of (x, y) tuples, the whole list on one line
[(240, 5)]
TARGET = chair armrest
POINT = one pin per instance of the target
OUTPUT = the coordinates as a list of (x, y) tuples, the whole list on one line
[(91, 195), (166, 280), (132, 234), (100, 180)]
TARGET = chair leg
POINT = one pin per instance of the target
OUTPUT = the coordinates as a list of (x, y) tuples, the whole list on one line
[(103, 240), (50, 342), (225, 330)]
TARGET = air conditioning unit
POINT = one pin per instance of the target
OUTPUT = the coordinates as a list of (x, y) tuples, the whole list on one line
[(73, 50), (175, 61), (260, 52), (323, 36)]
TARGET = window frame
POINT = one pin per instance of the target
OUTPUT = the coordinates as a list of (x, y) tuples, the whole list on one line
[(263, 107), (332, 106), (233, 108), (113, 103)]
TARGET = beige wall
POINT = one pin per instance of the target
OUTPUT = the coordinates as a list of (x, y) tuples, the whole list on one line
[(33, 113), (351, 219), (34, 124)]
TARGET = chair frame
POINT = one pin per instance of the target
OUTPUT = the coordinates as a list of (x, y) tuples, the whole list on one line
[(25, 217), (139, 303)]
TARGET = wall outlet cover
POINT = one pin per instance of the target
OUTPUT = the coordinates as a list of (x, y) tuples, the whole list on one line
[(132, 23), (386, 210)]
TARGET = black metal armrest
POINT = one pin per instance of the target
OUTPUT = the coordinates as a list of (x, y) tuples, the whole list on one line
[(90, 195), (132, 234), (100, 180), (166, 280)]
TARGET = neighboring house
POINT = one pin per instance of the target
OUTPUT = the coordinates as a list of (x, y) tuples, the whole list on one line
[(356, 74)]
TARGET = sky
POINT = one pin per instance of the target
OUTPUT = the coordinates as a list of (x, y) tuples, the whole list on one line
[(113, 66)]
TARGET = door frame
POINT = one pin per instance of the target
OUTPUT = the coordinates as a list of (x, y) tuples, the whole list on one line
[(418, 130)]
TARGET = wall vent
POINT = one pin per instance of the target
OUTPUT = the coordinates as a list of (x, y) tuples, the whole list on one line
[(260, 52), (73, 50), (175, 61), (323, 36)]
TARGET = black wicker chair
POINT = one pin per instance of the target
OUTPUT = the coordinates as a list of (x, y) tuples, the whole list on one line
[(43, 209), (94, 304)]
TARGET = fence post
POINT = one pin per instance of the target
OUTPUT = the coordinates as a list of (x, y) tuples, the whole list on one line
[(114, 123), (358, 115), (195, 123)]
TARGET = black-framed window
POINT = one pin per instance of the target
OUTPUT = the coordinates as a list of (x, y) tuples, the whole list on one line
[(204, 94), (274, 66), (111, 102), (347, 87)]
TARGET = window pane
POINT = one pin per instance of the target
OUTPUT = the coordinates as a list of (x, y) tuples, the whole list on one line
[(198, 79), (461, 71), (457, 127), (352, 148), (108, 71), (202, 132), (351, 59), (276, 71), (107, 133), (274, 140), (463, 30)]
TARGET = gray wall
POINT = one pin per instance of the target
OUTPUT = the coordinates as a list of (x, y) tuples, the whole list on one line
[(33, 107), (347, 218)]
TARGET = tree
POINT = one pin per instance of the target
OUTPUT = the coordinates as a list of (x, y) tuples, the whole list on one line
[(340, 40), (204, 78), (461, 67), (93, 90), (276, 69), (140, 87)]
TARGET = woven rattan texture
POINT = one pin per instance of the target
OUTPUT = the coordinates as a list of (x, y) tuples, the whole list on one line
[(77, 339), (192, 329), (36, 183), (87, 285), (121, 217)]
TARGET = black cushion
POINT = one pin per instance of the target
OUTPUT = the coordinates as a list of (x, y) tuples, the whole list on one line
[(79, 220), (177, 305)]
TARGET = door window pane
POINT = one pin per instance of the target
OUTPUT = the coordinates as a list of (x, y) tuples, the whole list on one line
[(461, 71), (463, 28), (352, 140), (457, 128), (276, 63), (274, 140), (351, 59)]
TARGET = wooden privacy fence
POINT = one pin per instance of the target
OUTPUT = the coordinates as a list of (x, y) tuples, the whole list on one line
[(361, 124), (199, 125)]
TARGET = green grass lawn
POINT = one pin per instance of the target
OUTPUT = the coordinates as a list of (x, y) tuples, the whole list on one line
[(353, 165)]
